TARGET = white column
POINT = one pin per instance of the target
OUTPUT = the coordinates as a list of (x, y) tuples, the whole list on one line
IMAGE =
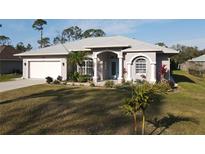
[(153, 73), (169, 69), (64, 68), (95, 77), (120, 69), (129, 72)]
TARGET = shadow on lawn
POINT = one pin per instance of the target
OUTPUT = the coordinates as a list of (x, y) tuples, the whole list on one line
[(168, 121), (68, 111), (47, 93), (182, 78)]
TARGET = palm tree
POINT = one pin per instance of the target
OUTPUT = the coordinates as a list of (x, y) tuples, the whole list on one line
[(131, 107), (44, 42), (142, 95), (143, 99), (77, 58), (38, 25)]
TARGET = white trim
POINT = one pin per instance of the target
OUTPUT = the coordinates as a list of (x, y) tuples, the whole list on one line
[(120, 65), (40, 54), (26, 68), (107, 46), (142, 55), (153, 73), (95, 54), (95, 76)]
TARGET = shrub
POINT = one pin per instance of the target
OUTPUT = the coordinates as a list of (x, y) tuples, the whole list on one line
[(73, 76), (162, 86), (109, 84), (59, 78), (171, 84), (125, 85), (56, 82), (49, 79), (140, 81), (83, 78), (65, 82), (92, 84)]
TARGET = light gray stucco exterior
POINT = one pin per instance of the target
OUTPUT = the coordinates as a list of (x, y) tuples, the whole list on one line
[(110, 55)]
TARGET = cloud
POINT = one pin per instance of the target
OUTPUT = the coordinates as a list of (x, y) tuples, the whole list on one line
[(110, 26), (114, 27)]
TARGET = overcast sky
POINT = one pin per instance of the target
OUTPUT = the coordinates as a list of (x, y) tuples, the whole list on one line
[(187, 32)]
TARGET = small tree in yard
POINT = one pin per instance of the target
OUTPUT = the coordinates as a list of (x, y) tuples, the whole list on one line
[(130, 107), (142, 96)]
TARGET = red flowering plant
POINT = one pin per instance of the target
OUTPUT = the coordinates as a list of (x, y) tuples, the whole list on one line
[(163, 71)]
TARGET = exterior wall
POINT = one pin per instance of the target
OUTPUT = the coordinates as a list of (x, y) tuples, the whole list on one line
[(129, 59), (10, 66), (163, 59), (62, 59)]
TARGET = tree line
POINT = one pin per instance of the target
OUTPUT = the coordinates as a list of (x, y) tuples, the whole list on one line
[(185, 53), (5, 40), (68, 34)]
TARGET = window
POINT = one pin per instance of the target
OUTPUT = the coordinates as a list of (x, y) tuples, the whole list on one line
[(140, 65), (87, 67)]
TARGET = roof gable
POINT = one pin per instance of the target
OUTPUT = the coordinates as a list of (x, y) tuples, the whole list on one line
[(199, 59)]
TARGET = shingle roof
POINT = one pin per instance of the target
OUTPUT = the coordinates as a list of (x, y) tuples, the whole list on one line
[(7, 52), (98, 42), (199, 59)]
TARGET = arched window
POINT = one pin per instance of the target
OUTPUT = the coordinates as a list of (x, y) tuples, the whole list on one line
[(140, 65)]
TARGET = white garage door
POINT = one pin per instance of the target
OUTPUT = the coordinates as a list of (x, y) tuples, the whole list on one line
[(42, 69)]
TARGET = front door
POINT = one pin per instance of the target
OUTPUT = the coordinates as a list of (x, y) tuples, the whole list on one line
[(114, 69)]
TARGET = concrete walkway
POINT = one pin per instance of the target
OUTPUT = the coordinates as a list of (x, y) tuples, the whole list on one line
[(19, 83)]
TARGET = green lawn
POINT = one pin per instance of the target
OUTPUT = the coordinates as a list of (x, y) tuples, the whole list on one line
[(9, 77), (49, 109)]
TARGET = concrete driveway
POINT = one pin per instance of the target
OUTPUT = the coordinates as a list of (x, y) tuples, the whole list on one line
[(19, 83)]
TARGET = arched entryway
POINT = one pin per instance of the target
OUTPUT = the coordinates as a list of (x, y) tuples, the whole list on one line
[(107, 65)]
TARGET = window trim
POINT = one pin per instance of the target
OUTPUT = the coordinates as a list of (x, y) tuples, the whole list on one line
[(85, 67)]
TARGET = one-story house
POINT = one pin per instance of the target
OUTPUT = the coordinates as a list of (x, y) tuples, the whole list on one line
[(117, 58), (197, 63), (8, 62)]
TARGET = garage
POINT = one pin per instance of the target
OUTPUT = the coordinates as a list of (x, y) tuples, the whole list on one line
[(42, 69)]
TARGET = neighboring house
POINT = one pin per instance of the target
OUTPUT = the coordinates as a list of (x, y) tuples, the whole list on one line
[(8, 62), (114, 58), (197, 63)]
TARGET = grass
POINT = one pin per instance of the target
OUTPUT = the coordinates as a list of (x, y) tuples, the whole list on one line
[(9, 77), (56, 109)]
